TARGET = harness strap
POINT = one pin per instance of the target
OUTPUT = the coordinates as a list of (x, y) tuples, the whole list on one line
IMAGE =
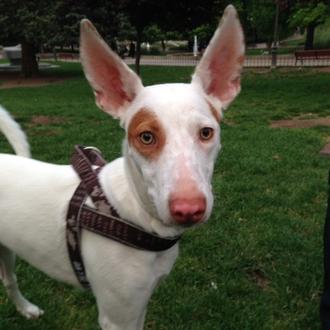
[(73, 234), (103, 219), (82, 161), (116, 229)]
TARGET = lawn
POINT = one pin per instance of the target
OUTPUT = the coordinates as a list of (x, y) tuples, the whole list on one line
[(257, 263)]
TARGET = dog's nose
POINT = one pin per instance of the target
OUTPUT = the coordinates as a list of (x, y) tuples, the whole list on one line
[(188, 211)]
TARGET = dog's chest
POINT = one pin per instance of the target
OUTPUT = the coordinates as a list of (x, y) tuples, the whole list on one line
[(34, 197)]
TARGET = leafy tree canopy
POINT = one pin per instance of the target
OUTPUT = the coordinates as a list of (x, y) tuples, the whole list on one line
[(310, 13), (30, 20)]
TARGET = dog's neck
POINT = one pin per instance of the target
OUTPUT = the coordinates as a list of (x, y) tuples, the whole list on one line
[(125, 189)]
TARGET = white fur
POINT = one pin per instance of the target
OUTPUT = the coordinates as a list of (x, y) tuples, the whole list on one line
[(174, 104), (12, 132), (34, 195)]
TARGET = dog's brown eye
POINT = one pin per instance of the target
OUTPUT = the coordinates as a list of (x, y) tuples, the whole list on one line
[(206, 133), (147, 138)]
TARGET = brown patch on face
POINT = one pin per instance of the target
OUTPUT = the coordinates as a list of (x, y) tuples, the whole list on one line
[(216, 114), (144, 121)]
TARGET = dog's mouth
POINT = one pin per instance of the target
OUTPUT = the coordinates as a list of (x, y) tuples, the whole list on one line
[(189, 224)]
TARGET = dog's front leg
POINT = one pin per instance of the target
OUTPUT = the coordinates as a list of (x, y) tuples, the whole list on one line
[(122, 282), (119, 313), (106, 323), (123, 279)]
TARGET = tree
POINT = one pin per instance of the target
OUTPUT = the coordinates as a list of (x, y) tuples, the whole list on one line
[(186, 15), (105, 15), (172, 15), (204, 34), (308, 15), (68, 14), (259, 20), (34, 23), (29, 23), (141, 13)]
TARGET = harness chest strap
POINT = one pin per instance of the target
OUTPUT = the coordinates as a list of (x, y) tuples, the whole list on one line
[(73, 234), (103, 220), (110, 227)]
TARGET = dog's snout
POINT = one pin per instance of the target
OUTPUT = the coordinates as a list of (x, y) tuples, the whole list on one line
[(187, 211)]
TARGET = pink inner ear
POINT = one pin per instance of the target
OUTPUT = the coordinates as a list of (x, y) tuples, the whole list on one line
[(224, 70), (105, 76)]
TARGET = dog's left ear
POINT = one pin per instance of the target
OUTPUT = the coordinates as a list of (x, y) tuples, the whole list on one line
[(218, 72), (115, 85)]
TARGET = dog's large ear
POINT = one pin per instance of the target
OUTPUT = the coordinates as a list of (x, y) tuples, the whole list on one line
[(115, 85), (218, 72)]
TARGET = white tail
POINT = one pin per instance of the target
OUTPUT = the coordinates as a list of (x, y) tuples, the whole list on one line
[(14, 134)]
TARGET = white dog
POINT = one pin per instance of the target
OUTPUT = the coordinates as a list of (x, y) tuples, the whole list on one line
[(162, 183)]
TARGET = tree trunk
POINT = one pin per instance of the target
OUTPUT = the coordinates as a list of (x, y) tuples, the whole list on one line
[(269, 45), (138, 51), (29, 61), (163, 46), (309, 43)]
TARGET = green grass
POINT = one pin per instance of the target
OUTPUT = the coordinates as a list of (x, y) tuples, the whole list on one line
[(257, 264)]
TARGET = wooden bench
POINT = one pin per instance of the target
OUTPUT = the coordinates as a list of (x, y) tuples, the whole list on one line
[(67, 56), (319, 54)]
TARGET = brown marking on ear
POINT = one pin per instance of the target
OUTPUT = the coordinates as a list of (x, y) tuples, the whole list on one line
[(216, 114), (146, 121)]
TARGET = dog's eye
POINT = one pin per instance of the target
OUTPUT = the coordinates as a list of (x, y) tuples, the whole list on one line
[(206, 133), (147, 138)]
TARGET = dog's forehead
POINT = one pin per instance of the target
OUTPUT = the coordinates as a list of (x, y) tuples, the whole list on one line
[(168, 101), (175, 97)]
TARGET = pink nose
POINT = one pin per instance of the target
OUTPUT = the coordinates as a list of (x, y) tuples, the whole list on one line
[(188, 211)]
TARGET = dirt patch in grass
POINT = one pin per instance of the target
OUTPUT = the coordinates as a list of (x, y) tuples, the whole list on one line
[(14, 79), (303, 122), (47, 120), (39, 125), (259, 278), (299, 122), (46, 132), (325, 151), (323, 69)]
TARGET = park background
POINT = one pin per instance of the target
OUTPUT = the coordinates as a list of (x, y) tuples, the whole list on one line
[(257, 263)]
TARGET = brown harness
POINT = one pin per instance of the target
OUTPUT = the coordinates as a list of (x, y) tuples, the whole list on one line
[(103, 219)]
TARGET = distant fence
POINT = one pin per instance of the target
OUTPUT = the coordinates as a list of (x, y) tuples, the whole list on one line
[(284, 61), (168, 60), (257, 61)]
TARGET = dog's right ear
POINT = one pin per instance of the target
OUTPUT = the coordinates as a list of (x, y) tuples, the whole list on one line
[(115, 85), (218, 72)]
